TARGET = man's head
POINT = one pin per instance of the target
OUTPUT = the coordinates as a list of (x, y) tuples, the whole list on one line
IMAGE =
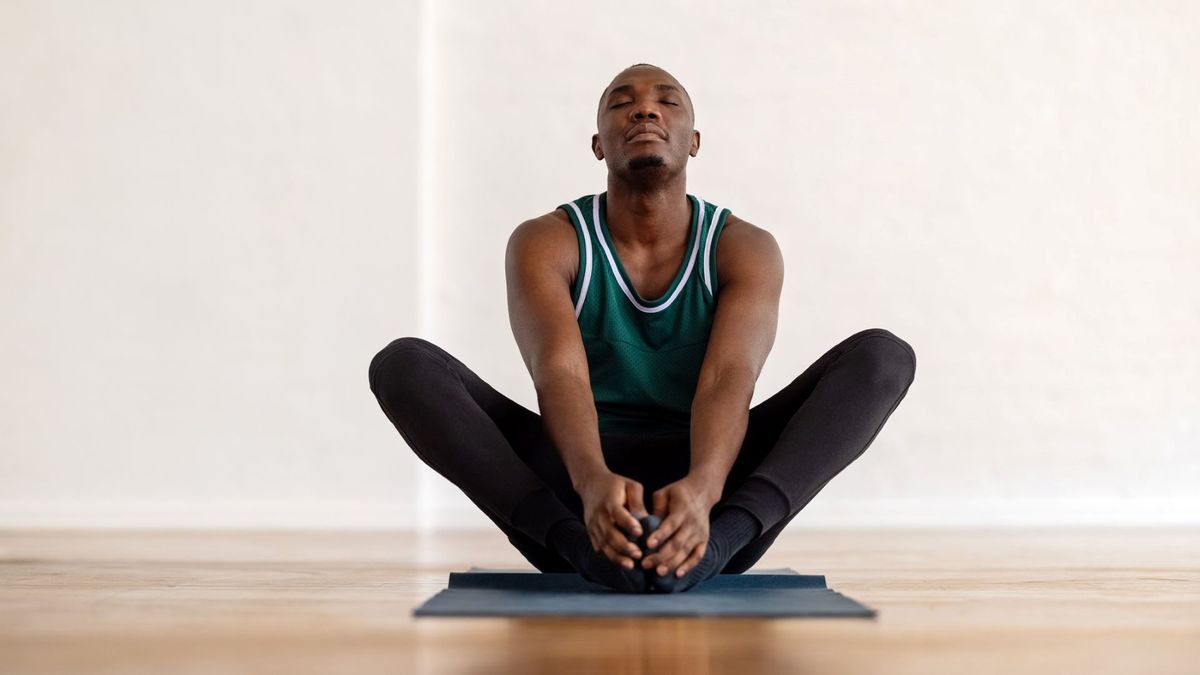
[(645, 124)]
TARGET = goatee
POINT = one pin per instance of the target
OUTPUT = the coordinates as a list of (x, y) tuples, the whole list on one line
[(645, 162)]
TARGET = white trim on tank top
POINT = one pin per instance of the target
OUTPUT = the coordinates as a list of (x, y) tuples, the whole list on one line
[(587, 261), (712, 229), (612, 263)]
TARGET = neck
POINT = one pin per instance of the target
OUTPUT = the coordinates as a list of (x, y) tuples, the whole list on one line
[(651, 216)]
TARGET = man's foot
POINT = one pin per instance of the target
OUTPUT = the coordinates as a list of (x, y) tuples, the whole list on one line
[(730, 531), (670, 583), (570, 540), (596, 567), (649, 523), (707, 568)]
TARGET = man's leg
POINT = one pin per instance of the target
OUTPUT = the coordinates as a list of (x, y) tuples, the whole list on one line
[(495, 450), (498, 453), (808, 432)]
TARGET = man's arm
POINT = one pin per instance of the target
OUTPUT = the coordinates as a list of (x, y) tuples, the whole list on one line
[(743, 332), (538, 276), (538, 266)]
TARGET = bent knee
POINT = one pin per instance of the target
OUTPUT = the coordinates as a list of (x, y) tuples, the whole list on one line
[(891, 361), (399, 356)]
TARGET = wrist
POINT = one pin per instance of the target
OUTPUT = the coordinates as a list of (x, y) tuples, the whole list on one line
[(708, 484), (582, 475)]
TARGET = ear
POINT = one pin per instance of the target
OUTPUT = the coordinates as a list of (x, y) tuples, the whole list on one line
[(695, 143), (596, 149)]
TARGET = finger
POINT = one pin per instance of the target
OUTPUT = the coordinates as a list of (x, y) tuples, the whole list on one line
[(617, 540), (664, 531), (679, 557), (635, 502), (660, 503), (675, 551), (629, 523), (613, 555), (623, 519), (662, 549), (665, 550), (693, 560)]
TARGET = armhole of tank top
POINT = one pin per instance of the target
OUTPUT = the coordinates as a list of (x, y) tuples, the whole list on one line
[(718, 228), (581, 248)]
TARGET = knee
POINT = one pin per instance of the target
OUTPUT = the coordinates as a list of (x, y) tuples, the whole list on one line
[(890, 361), (400, 357)]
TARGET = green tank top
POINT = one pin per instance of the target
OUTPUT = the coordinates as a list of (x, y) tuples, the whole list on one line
[(644, 356)]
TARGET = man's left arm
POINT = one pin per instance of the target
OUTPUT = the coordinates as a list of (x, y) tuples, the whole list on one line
[(742, 335)]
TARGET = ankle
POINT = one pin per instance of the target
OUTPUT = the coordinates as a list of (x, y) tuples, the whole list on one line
[(733, 529), (564, 537)]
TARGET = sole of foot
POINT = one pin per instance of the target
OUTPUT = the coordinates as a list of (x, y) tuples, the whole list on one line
[(649, 523), (663, 584)]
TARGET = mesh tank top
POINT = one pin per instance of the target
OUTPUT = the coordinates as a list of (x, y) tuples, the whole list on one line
[(644, 356)]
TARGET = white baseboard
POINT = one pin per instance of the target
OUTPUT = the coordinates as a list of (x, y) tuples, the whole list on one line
[(461, 514), (286, 515)]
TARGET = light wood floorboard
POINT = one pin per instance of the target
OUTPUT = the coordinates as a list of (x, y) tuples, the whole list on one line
[(957, 601)]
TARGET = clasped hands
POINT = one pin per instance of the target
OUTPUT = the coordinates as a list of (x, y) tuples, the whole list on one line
[(612, 504)]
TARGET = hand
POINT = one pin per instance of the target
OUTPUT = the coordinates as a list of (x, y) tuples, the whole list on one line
[(609, 504), (682, 538)]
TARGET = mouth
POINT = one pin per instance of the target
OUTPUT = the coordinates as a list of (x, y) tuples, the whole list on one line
[(645, 132)]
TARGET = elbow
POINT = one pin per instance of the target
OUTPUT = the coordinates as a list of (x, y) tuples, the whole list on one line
[(551, 376)]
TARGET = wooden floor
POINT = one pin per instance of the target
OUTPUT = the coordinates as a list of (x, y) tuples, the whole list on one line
[(949, 601)]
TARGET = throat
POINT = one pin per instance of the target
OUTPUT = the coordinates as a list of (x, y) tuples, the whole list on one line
[(652, 281), (651, 268)]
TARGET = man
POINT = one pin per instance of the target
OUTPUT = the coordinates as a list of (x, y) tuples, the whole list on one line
[(646, 469)]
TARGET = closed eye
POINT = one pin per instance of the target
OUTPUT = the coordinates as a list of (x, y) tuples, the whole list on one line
[(628, 102)]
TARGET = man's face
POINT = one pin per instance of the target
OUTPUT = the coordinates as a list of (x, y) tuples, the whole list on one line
[(645, 124)]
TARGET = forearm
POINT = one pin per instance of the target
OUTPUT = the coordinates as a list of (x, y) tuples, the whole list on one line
[(569, 415), (720, 416)]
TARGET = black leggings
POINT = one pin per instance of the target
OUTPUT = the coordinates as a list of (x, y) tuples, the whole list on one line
[(498, 453)]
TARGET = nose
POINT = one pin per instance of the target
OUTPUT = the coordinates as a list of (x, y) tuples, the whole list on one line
[(645, 112)]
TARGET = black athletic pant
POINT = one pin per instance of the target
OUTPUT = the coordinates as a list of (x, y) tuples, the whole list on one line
[(498, 453)]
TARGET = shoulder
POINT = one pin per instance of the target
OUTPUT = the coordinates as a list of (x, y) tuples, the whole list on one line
[(745, 248), (743, 230), (547, 240), (551, 230)]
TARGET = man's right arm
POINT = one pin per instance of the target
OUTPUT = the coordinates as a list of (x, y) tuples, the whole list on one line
[(538, 267)]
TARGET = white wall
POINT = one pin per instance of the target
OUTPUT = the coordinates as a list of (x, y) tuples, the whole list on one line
[(206, 231), (212, 219)]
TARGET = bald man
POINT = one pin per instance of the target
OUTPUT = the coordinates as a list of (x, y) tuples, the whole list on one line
[(644, 315)]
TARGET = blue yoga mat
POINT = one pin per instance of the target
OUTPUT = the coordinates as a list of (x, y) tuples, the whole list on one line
[(766, 593)]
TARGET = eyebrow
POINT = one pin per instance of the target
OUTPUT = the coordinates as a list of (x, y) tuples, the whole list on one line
[(629, 87)]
